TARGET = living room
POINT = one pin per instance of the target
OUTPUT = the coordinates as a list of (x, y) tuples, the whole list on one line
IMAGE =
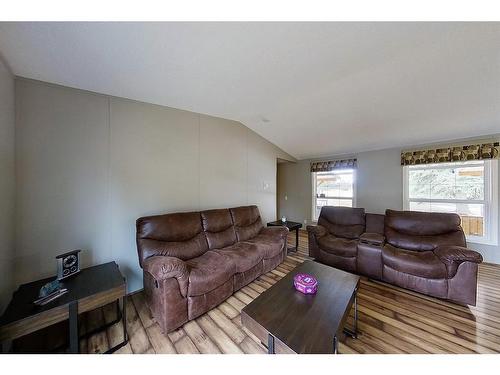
[(249, 187)]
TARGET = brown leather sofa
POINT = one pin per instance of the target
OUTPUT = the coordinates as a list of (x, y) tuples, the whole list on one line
[(425, 252), (193, 261)]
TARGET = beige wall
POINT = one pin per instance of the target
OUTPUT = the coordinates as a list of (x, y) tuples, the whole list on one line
[(89, 165), (7, 184), (379, 186)]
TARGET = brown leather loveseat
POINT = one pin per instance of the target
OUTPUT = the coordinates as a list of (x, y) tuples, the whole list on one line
[(425, 252), (193, 261)]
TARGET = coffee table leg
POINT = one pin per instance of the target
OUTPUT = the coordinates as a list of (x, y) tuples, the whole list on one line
[(356, 313), (270, 344), (354, 332)]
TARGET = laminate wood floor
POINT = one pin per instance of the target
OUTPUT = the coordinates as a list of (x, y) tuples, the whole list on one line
[(391, 320)]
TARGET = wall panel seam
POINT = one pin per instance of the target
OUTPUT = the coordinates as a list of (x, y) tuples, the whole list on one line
[(199, 162), (108, 186), (248, 171)]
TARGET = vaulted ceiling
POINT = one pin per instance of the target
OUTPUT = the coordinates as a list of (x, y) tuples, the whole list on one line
[(313, 89)]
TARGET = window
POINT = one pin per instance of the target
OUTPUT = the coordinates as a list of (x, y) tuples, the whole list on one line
[(466, 188), (334, 188)]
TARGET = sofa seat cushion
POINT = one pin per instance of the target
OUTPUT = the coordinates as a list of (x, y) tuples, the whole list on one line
[(417, 263), (243, 255), (339, 246), (208, 272), (267, 245)]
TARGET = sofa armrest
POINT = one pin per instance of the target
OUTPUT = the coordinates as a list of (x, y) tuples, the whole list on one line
[(317, 230), (453, 256), (372, 239), (163, 267), (458, 254), (281, 232)]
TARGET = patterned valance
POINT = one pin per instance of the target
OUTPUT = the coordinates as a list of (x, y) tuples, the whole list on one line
[(326, 166), (450, 154)]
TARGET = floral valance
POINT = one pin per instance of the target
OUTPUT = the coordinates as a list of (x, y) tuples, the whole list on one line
[(450, 154), (326, 166)]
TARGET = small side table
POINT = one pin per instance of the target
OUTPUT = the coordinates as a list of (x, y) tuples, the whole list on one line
[(291, 225), (92, 288)]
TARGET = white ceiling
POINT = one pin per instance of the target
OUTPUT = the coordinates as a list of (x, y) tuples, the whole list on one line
[(325, 88)]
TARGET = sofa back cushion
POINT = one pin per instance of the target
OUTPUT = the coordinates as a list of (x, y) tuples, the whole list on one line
[(375, 223), (219, 228), (177, 235), (344, 222), (422, 231), (247, 222)]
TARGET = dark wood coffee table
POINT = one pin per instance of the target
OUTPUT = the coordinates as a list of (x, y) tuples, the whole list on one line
[(93, 287), (291, 322), (292, 226)]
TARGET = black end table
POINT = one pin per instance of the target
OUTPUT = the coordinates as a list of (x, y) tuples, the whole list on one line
[(291, 225), (92, 288)]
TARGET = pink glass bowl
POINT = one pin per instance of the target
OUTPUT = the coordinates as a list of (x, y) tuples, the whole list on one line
[(305, 283)]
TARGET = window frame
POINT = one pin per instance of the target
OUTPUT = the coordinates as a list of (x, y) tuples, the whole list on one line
[(313, 183), (490, 200)]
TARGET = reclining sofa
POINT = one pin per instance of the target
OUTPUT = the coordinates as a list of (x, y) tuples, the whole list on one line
[(424, 252), (193, 261)]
